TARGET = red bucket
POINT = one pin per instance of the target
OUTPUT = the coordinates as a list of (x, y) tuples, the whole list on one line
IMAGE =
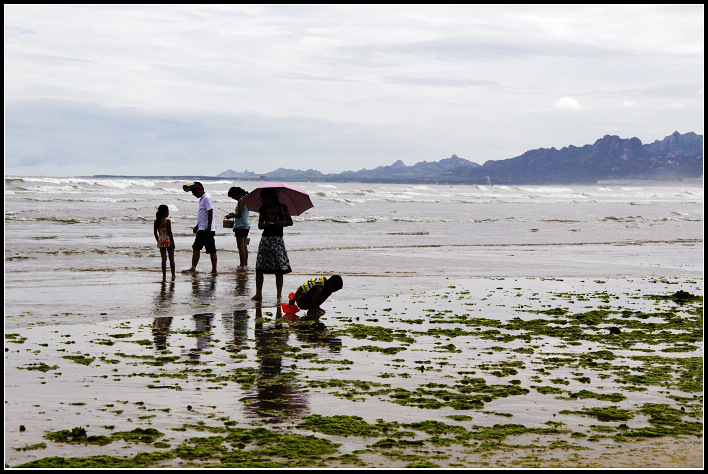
[(290, 308)]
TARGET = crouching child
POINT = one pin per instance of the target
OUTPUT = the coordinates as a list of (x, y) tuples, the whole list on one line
[(314, 292)]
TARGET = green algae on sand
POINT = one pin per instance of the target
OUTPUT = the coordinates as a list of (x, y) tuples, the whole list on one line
[(476, 362)]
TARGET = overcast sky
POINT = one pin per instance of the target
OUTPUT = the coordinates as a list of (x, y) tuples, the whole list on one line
[(199, 89)]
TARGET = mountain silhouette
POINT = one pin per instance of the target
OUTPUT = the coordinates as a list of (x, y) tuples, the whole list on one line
[(676, 157)]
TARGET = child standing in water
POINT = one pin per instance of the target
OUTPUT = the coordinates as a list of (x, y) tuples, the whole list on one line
[(242, 225), (165, 241)]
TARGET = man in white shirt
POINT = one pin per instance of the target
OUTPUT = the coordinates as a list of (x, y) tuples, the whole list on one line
[(206, 226)]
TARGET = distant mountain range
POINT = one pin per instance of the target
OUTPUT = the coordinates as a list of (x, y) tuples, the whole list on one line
[(676, 157)]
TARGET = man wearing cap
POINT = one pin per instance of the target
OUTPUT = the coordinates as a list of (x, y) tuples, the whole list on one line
[(206, 226)]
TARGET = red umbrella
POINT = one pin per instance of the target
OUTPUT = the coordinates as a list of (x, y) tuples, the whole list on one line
[(297, 200)]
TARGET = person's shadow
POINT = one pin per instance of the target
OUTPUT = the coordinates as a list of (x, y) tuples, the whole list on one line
[(278, 396)]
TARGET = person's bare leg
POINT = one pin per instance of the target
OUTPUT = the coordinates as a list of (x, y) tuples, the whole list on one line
[(163, 255), (213, 262), (259, 286), (239, 247), (195, 259), (242, 251), (171, 252), (279, 286)]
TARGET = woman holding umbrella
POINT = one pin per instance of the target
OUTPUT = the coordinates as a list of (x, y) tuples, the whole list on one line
[(272, 257)]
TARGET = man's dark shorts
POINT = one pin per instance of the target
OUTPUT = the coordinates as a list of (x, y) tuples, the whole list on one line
[(205, 240)]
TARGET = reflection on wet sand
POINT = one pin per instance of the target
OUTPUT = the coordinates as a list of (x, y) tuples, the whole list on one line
[(164, 296), (161, 325), (160, 331), (277, 394), (203, 287), (312, 331), (236, 329), (242, 287), (202, 333)]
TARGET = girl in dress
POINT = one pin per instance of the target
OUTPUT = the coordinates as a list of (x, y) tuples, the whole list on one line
[(165, 241), (272, 256)]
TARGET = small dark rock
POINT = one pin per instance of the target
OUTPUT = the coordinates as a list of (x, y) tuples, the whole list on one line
[(189, 407), (614, 330), (22, 428), (682, 297)]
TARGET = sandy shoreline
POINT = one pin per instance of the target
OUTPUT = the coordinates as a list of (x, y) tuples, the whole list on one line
[(50, 297), (512, 371)]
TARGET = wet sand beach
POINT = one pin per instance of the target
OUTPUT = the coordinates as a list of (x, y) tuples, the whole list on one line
[(485, 372)]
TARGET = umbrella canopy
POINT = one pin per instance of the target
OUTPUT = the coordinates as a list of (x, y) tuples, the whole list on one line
[(297, 200)]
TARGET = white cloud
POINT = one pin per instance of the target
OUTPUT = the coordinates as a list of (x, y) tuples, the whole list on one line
[(628, 104), (567, 103)]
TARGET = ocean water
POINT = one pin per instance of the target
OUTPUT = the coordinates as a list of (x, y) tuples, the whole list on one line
[(79, 249)]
